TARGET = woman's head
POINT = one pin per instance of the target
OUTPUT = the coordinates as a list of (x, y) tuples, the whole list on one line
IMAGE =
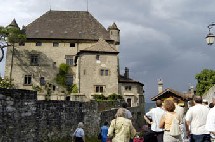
[(120, 113), (169, 105), (80, 125)]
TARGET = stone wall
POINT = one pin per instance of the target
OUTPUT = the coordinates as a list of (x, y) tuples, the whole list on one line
[(24, 118)]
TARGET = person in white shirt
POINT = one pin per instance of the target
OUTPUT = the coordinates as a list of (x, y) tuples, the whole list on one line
[(155, 114), (210, 123), (196, 120)]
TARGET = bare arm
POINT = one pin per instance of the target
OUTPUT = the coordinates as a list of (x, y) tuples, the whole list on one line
[(162, 122), (147, 120), (187, 124)]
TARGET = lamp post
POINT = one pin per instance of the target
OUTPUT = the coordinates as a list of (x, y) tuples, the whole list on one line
[(210, 37)]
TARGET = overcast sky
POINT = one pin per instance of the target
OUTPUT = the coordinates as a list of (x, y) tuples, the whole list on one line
[(160, 39)]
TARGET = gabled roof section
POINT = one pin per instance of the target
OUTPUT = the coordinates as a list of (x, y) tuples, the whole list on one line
[(101, 46), (168, 90), (123, 79), (113, 26), (66, 25)]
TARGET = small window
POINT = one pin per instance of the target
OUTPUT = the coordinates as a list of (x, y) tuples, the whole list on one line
[(128, 88), (72, 44), (22, 44), (55, 44), (69, 80), (69, 60), (104, 72), (99, 89), (38, 43), (42, 81), (28, 80), (34, 59), (97, 57)]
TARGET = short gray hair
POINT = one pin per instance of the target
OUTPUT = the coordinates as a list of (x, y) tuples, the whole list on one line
[(80, 125)]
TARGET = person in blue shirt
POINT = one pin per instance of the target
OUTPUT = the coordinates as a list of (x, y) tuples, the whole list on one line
[(104, 132)]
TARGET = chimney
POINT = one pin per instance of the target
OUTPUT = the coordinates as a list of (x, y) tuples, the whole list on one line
[(160, 86), (126, 74)]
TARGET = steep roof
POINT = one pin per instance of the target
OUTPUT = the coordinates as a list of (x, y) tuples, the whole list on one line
[(123, 79), (167, 91), (67, 25), (101, 46)]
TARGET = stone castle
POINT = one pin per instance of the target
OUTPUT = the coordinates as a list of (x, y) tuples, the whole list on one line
[(77, 39)]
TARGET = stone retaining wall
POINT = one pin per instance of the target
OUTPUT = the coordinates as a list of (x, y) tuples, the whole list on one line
[(24, 118)]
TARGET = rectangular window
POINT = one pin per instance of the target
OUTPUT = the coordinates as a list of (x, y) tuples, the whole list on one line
[(72, 44), (28, 80), (97, 57), (99, 89), (55, 44), (21, 44), (128, 88), (104, 72), (42, 81), (69, 80), (69, 60), (34, 59), (38, 43)]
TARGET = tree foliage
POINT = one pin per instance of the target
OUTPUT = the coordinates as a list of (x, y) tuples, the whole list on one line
[(12, 35), (205, 80), (61, 76), (5, 83)]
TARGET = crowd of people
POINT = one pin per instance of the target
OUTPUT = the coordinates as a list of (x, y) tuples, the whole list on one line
[(168, 122), (197, 124)]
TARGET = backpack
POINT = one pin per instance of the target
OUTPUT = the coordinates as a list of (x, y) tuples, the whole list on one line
[(175, 128)]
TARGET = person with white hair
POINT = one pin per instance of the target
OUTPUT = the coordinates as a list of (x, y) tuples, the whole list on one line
[(79, 133), (210, 123), (121, 128)]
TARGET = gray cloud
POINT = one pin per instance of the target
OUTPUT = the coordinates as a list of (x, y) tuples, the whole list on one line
[(159, 39)]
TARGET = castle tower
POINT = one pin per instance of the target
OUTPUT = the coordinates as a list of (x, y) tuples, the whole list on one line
[(114, 33), (13, 24)]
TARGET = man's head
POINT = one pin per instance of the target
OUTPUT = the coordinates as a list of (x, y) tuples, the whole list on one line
[(197, 99), (159, 103), (124, 105)]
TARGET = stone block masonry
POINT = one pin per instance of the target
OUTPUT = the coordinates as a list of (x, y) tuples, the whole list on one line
[(24, 118)]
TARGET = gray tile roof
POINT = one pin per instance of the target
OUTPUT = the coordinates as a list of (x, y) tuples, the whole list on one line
[(67, 25), (101, 46)]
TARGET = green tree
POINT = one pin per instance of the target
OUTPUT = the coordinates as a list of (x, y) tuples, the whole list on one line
[(5, 83), (205, 80), (11, 35)]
